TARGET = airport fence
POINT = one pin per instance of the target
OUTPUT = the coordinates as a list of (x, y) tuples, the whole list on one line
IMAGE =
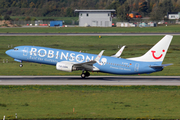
[(144, 20), (42, 22)]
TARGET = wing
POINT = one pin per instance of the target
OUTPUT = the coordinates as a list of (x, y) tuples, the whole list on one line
[(89, 65), (118, 54)]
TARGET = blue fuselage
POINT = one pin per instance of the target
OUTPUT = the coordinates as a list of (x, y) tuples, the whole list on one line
[(106, 64)]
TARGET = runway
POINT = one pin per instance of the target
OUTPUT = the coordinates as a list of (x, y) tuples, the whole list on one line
[(87, 34), (92, 80)]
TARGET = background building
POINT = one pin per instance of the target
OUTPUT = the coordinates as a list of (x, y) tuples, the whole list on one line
[(95, 18), (173, 15)]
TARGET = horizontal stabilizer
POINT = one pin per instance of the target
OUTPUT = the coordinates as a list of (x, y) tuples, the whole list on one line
[(160, 66)]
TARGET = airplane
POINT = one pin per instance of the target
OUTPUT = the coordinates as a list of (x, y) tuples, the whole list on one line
[(69, 61)]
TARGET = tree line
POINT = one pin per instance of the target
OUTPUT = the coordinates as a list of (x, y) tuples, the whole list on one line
[(155, 9)]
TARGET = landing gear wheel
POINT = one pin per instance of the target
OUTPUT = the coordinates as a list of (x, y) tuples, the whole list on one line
[(21, 65), (87, 74), (83, 75)]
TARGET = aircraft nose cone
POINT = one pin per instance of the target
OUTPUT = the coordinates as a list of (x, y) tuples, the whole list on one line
[(8, 52)]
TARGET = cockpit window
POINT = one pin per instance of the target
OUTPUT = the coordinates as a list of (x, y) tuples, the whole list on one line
[(15, 48)]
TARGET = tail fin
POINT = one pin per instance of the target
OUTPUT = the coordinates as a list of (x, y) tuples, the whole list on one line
[(157, 52)]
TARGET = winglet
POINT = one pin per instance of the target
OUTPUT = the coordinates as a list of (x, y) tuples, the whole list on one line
[(118, 54), (99, 56)]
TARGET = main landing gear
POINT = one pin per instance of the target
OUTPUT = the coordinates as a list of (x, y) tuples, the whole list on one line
[(84, 75)]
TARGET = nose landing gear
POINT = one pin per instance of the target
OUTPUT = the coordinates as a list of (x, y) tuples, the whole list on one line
[(21, 65)]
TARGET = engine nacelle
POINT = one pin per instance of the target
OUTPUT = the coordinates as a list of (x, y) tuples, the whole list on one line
[(65, 66)]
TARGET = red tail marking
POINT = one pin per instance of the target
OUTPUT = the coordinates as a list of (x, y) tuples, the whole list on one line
[(155, 56)]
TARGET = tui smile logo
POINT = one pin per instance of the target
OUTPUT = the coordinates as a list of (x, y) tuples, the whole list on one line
[(153, 53)]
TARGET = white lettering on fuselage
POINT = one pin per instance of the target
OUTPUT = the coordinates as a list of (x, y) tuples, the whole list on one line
[(50, 54), (55, 54), (72, 56), (120, 68), (80, 59), (33, 51), (64, 56), (42, 54)]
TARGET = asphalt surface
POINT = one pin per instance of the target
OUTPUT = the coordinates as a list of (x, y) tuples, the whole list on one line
[(92, 80), (86, 34)]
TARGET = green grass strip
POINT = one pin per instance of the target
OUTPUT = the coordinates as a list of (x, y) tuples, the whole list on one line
[(103, 102), (159, 29)]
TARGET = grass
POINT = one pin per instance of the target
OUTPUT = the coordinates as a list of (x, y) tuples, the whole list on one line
[(159, 29), (40, 102), (135, 46)]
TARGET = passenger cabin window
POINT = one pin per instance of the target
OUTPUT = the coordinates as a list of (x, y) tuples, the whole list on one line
[(87, 14)]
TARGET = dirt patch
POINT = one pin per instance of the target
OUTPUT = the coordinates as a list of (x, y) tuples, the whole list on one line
[(7, 23)]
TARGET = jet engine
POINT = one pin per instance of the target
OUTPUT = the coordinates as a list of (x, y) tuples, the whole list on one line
[(65, 66)]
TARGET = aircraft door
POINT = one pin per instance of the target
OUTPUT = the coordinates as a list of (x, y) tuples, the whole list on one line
[(136, 68), (25, 51)]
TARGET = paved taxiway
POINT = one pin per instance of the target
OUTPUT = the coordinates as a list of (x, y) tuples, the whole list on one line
[(92, 80), (86, 34)]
